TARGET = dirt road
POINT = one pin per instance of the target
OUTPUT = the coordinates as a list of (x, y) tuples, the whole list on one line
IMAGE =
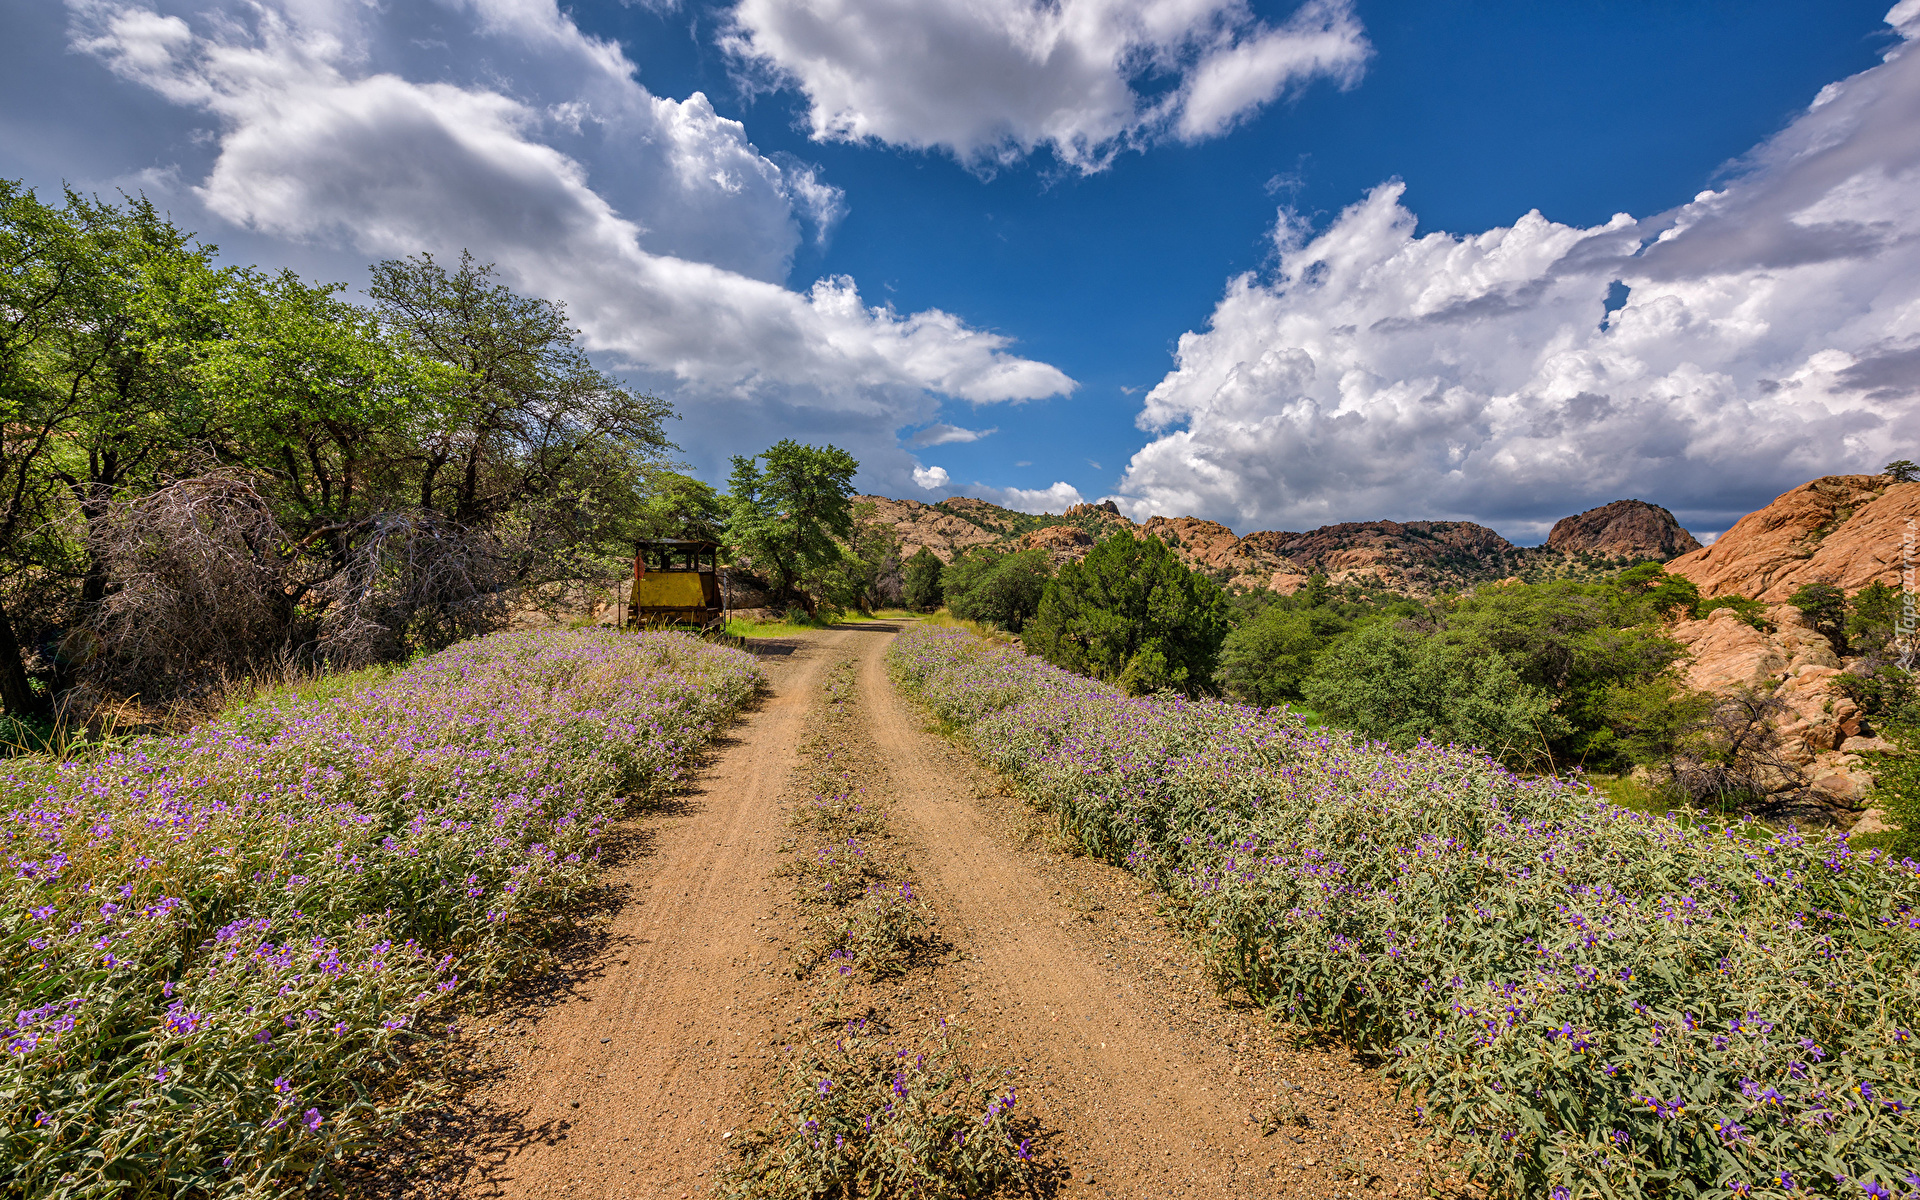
[(632, 1083)]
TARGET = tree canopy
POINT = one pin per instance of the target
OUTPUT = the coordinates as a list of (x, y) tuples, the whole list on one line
[(789, 512), (367, 480), (1132, 613)]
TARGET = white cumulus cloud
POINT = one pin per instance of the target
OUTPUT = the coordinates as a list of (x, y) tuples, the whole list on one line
[(1770, 333), (991, 80), (1055, 499), (656, 220), (931, 478)]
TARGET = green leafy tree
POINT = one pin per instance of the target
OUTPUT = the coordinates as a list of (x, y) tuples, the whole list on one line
[(1649, 717), (1752, 612), (315, 396), (1648, 588), (789, 512), (1000, 588), (1399, 684), (103, 311), (47, 269), (1903, 470), (1826, 609), (1132, 613), (1571, 641), (1265, 660), (923, 580), (523, 410), (873, 549), (1872, 616), (679, 506)]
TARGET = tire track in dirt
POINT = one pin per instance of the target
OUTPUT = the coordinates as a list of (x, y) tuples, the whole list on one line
[(629, 1086), (1144, 1110), (635, 1074)]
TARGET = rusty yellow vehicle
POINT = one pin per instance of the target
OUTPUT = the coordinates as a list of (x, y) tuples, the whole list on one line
[(677, 582)]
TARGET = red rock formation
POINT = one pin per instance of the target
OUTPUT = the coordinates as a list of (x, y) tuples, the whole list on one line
[(1822, 731), (1414, 556), (1063, 543), (1842, 529), (1624, 529), (934, 526), (1212, 547)]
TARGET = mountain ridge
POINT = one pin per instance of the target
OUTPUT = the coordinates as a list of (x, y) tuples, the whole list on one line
[(1410, 557)]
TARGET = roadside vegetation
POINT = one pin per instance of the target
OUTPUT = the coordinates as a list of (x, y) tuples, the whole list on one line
[(233, 954), (213, 473), (1564, 675), (1588, 1000)]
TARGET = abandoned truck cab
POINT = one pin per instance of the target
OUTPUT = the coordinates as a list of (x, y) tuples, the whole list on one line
[(676, 582)]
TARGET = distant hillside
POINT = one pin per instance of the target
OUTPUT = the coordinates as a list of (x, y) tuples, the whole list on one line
[(1414, 557), (1623, 529)]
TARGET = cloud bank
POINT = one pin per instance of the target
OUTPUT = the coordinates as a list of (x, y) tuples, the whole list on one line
[(1770, 333), (989, 81), (340, 123)]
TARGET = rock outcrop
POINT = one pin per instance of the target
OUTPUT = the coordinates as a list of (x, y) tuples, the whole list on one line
[(1418, 557), (1846, 530), (948, 529), (1823, 732), (1063, 543), (1624, 529), (1212, 547)]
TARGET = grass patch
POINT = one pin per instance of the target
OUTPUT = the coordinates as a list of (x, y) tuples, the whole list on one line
[(992, 633), (1634, 795), (315, 689), (742, 627), (867, 1114)]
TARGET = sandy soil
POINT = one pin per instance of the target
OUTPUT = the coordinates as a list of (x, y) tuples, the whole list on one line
[(629, 1078)]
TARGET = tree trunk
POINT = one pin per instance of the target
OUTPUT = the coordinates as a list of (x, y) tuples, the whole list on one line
[(16, 693)]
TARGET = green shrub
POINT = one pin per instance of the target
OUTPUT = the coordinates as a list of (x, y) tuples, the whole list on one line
[(1396, 684), (997, 587), (923, 581), (1132, 613), (1266, 659)]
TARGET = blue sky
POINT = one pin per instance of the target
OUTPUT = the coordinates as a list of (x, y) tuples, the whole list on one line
[(1268, 264)]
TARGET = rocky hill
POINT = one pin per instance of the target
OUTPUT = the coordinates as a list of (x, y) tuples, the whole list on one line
[(1416, 558), (1840, 529), (949, 528), (1630, 529)]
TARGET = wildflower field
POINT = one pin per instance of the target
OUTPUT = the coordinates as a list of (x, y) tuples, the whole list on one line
[(233, 954), (1589, 1001)]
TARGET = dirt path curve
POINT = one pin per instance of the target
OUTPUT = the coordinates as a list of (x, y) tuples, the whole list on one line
[(629, 1086), (1152, 1117)]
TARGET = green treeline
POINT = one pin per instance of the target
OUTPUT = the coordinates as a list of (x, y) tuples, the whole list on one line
[(1543, 676), (207, 467)]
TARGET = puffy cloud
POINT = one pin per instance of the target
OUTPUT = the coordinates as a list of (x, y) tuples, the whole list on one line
[(1058, 498), (325, 87), (991, 80), (325, 137), (942, 434), (1770, 333), (931, 478)]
